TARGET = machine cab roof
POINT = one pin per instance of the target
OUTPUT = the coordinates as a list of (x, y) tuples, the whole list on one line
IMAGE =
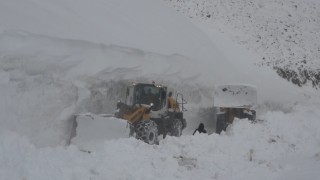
[(142, 93)]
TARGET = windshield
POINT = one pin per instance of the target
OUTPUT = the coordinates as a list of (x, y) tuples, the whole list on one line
[(147, 94)]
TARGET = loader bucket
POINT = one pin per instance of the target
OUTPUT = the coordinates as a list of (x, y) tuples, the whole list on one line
[(91, 130)]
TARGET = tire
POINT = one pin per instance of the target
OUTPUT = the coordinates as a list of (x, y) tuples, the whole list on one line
[(147, 131), (176, 128)]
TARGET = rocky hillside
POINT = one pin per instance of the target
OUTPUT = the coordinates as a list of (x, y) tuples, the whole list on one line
[(285, 33)]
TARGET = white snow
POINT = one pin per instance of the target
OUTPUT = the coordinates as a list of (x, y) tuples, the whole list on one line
[(282, 146), (60, 58)]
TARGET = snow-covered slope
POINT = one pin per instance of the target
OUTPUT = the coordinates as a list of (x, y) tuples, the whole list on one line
[(284, 33)]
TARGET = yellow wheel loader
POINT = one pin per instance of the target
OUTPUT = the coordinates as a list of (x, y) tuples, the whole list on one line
[(148, 110), (149, 113)]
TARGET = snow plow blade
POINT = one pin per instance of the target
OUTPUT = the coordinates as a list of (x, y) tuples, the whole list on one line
[(89, 131)]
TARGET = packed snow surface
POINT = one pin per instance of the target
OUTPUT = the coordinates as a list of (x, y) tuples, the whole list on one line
[(61, 58)]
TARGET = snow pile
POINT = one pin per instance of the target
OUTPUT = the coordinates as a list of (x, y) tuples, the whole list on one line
[(281, 146), (284, 33)]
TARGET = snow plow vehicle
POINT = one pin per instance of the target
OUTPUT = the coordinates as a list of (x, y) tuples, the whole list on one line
[(234, 101), (150, 110)]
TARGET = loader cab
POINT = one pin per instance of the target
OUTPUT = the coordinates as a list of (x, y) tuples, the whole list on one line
[(147, 94)]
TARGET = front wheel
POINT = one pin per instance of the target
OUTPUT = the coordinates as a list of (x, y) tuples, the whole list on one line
[(147, 131)]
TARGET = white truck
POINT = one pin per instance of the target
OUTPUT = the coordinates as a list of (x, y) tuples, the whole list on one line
[(234, 100)]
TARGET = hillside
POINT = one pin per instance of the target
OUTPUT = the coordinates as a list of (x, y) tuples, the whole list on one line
[(284, 33)]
